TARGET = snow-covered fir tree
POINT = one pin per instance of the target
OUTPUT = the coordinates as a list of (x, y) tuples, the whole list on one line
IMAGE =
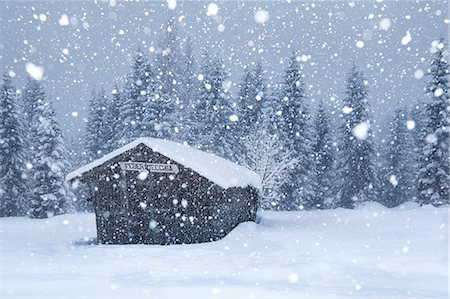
[(212, 129), (251, 99), (50, 194), (295, 129), (171, 65), (112, 119), (76, 158), (138, 89), (13, 174), (417, 120), (189, 87), (324, 152), (356, 159), (32, 94), (434, 174), (95, 139), (398, 177)]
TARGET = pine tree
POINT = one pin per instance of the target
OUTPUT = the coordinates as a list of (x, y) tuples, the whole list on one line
[(171, 80), (398, 179), (251, 97), (139, 87), (32, 94), (434, 175), (419, 132), (211, 127), (77, 159), (112, 119), (296, 131), (169, 60), (13, 180), (189, 87), (356, 160), (95, 139), (51, 194), (324, 158)]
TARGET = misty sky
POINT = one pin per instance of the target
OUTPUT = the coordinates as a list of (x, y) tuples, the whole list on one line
[(96, 47)]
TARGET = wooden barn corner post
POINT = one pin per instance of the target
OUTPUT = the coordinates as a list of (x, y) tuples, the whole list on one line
[(154, 191)]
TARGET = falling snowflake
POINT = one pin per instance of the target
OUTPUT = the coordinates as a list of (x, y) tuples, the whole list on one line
[(361, 130), (171, 4), (393, 180), (385, 24), (261, 16), (407, 38), (35, 72), (63, 20), (213, 10)]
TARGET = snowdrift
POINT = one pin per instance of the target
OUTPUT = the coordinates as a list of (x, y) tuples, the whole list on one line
[(369, 252)]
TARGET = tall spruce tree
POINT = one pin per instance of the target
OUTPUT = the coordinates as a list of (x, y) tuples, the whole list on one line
[(417, 115), (398, 179), (32, 94), (13, 180), (50, 194), (113, 120), (356, 160), (252, 99), (434, 175), (211, 127), (325, 159), (296, 130), (171, 64), (189, 87), (95, 139), (139, 87)]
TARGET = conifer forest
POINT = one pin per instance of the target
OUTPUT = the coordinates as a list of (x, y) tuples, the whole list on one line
[(334, 114)]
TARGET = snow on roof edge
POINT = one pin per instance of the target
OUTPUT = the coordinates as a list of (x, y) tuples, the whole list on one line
[(222, 172)]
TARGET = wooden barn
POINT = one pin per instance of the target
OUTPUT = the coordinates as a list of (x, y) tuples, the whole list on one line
[(154, 191)]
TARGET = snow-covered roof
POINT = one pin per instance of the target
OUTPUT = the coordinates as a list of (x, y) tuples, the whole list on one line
[(222, 172)]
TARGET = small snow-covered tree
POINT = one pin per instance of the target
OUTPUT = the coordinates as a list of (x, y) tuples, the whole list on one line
[(434, 174), (398, 179), (324, 152), (51, 194), (295, 129), (267, 156), (13, 180), (356, 159)]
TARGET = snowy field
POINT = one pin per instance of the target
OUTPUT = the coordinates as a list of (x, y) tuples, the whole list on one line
[(369, 252)]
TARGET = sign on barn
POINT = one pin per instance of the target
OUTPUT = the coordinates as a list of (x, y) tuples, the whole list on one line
[(150, 167), (185, 196)]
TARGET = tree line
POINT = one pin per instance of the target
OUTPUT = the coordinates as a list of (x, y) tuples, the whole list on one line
[(304, 160)]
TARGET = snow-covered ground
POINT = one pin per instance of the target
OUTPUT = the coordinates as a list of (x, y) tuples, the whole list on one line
[(368, 252)]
